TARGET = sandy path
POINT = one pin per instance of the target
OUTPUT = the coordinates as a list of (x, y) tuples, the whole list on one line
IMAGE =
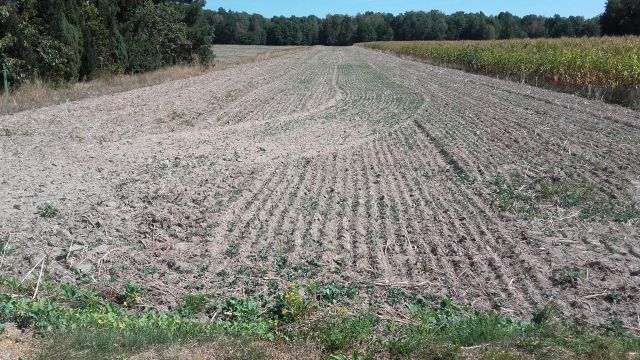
[(333, 164)]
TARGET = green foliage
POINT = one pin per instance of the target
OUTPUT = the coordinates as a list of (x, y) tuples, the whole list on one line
[(464, 178), (510, 197), (76, 322), (156, 36), (337, 29), (232, 250), (47, 210), (442, 331), (527, 196), (238, 310), (566, 276), (465, 327), (335, 292), (63, 41), (346, 332), (355, 356), (199, 31), (544, 315), (131, 295), (621, 17), (290, 306), (193, 304)]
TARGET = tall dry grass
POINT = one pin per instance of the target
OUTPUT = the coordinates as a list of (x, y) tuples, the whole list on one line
[(37, 94)]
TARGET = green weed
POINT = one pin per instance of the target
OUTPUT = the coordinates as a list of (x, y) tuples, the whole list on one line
[(290, 306), (232, 250), (193, 304), (131, 295), (75, 322), (346, 332), (335, 292), (47, 210), (566, 276), (245, 310), (464, 178), (509, 196)]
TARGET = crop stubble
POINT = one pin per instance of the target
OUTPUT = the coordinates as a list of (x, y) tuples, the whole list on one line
[(330, 164)]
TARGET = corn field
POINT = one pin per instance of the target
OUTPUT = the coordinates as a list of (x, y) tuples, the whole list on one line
[(606, 67)]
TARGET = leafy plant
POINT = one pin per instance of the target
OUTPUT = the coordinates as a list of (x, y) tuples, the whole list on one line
[(509, 196), (47, 210), (131, 295), (232, 250), (238, 309), (193, 304), (464, 178), (76, 322), (335, 292), (344, 332), (545, 314), (290, 306), (566, 276)]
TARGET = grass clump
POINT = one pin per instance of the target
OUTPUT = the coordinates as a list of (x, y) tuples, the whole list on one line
[(47, 210), (510, 196), (193, 304), (344, 332), (548, 195), (441, 332), (566, 276)]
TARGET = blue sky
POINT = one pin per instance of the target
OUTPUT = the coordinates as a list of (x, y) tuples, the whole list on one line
[(269, 8)]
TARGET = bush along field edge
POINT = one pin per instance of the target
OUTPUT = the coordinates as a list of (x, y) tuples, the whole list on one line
[(71, 321)]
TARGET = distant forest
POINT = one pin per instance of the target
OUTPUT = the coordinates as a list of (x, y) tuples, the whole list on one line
[(621, 17), (242, 28), (61, 41)]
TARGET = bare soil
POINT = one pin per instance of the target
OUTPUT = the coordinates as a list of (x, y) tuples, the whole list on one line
[(229, 54), (332, 164), (38, 94)]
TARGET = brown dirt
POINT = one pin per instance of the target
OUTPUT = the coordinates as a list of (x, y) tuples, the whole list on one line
[(233, 349), (15, 344), (330, 164)]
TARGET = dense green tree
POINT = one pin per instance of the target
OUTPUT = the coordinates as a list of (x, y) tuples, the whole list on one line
[(9, 24), (112, 50), (156, 36), (339, 30), (509, 27), (60, 20), (535, 26), (456, 24), (257, 30), (68, 40), (366, 32), (199, 30), (621, 17)]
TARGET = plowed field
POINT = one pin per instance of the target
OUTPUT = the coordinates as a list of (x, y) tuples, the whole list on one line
[(403, 181)]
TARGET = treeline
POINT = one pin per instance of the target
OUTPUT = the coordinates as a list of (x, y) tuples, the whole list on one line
[(243, 28), (621, 17), (70, 40)]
